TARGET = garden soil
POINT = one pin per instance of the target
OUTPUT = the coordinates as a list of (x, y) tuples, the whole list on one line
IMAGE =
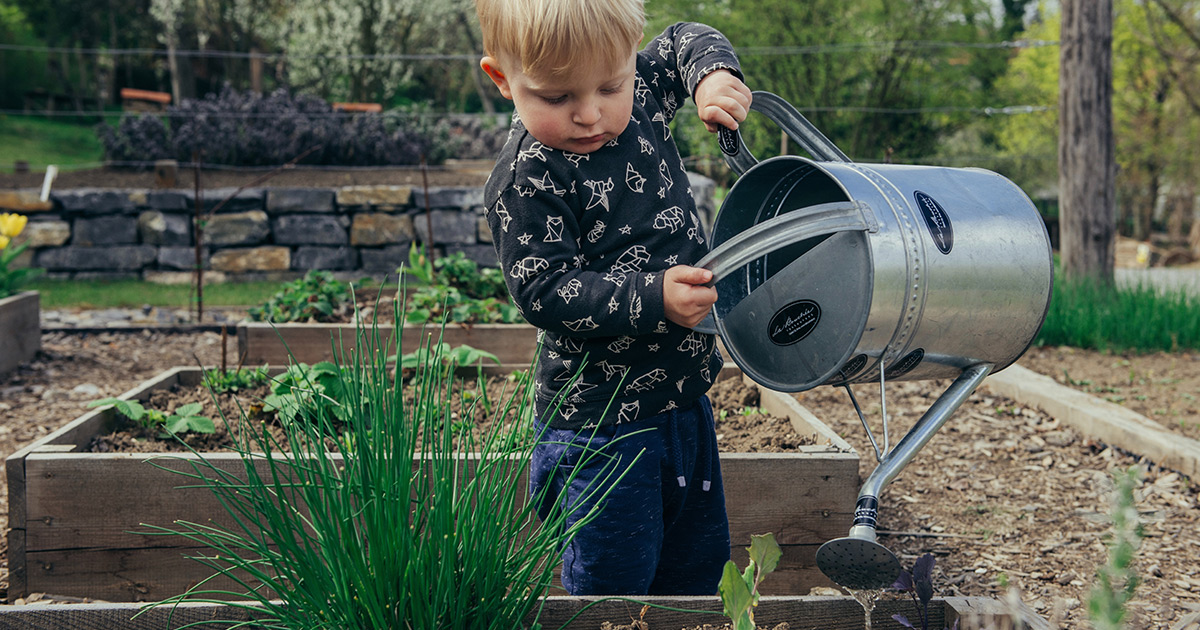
[(1004, 496)]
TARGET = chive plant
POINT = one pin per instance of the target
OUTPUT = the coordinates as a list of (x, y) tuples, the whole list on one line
[(401, 521)]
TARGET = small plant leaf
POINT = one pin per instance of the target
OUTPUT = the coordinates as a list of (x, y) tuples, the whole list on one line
[(736, 597), (189, 409), (131, 409), (765, 552), (923, 577), (904, 582)]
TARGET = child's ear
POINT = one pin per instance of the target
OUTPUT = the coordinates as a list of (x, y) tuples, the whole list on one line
[(491, 67)]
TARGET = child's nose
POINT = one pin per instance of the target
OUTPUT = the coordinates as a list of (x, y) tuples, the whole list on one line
[(587, 113)]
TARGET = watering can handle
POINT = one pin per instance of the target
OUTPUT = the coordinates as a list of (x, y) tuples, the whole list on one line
[(797, 127), (786, 229)]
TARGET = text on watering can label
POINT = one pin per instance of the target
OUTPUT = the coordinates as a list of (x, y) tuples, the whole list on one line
[(905, 365), (937, 221), (793, 322)]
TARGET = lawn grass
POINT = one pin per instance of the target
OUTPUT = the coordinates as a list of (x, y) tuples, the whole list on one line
[(57, 294), (1087, 314), (41, 142)]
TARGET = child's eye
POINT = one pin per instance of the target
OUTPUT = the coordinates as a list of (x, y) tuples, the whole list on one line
[(555, 100)]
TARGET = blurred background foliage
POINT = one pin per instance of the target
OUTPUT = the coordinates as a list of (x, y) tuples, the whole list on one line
[(949, 82)]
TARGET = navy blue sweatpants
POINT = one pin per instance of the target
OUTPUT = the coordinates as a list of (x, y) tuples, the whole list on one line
[(662, 529)]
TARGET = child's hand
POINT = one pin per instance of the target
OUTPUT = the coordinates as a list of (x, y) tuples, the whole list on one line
[(685, 298), (722, 100)]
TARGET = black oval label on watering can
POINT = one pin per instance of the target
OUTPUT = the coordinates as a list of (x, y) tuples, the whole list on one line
[(906, 364), (851, 367), (793, 322), (937, 221)]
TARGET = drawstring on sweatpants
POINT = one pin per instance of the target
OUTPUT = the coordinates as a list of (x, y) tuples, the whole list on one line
[(675, 451), (703, 449)]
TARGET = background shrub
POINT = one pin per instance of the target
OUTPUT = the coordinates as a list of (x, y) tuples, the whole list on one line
[(246, 129)]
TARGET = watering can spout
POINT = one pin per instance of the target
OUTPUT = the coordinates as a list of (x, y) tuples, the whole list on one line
[(858, 561)]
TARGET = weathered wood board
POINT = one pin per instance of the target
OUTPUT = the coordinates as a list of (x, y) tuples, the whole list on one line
[(20, 329), (515, 345), (575, 613)]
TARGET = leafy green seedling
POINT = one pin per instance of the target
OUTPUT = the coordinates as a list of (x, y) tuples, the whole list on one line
[(184, 420), (458, 356), (317, 296), (303, 385), (739, 591), (221, 381), (1116, 580)]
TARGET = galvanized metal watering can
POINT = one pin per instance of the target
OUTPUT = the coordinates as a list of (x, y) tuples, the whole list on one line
[(830, 272)]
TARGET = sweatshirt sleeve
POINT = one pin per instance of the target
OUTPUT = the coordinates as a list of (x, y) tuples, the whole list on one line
[(680, 57)]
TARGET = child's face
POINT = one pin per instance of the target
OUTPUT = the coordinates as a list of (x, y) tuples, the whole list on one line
[(578, 113)]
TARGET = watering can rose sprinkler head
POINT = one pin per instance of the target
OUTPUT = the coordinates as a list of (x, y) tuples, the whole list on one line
[(857, 561)]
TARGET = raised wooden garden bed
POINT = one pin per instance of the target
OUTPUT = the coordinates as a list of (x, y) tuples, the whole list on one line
[(73, 514), (827, 613), (262, 343), (20, 329)]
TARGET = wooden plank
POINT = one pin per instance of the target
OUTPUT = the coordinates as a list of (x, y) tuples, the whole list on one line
[(280, 344), (161, 98), (20, 329), (107, 616), (583, 613), (826, 613), (121, 575), (801, 498), (1105, 421), (61, 517), (368, 108)]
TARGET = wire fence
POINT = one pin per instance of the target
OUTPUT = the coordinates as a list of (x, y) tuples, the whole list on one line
[(71, 110), (816, 49)]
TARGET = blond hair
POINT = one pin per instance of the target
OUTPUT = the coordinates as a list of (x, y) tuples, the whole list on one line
[(552, 37)]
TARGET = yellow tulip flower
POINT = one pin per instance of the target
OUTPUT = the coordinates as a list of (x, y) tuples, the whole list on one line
[(11, 225), (4, 240)]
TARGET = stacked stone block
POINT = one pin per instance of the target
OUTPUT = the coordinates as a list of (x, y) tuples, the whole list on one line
[(270, 233), (252, 234)]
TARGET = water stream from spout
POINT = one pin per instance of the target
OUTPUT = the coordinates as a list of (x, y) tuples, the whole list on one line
[(866, 598)]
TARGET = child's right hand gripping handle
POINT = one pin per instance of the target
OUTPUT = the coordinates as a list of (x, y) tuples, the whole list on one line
[(797, 127)]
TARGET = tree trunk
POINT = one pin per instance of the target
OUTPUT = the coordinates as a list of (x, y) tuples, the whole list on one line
[(1086, 153), (481, 87), (256, 70), (173, 66)]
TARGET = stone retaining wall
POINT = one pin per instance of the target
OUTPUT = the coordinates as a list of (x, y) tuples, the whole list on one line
[(258, 234)]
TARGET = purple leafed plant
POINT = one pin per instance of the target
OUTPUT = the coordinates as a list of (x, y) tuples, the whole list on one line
[(918, 583)]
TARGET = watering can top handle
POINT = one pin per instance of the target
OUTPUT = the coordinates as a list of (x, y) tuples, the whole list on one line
[(797, 127), (785, 229)]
